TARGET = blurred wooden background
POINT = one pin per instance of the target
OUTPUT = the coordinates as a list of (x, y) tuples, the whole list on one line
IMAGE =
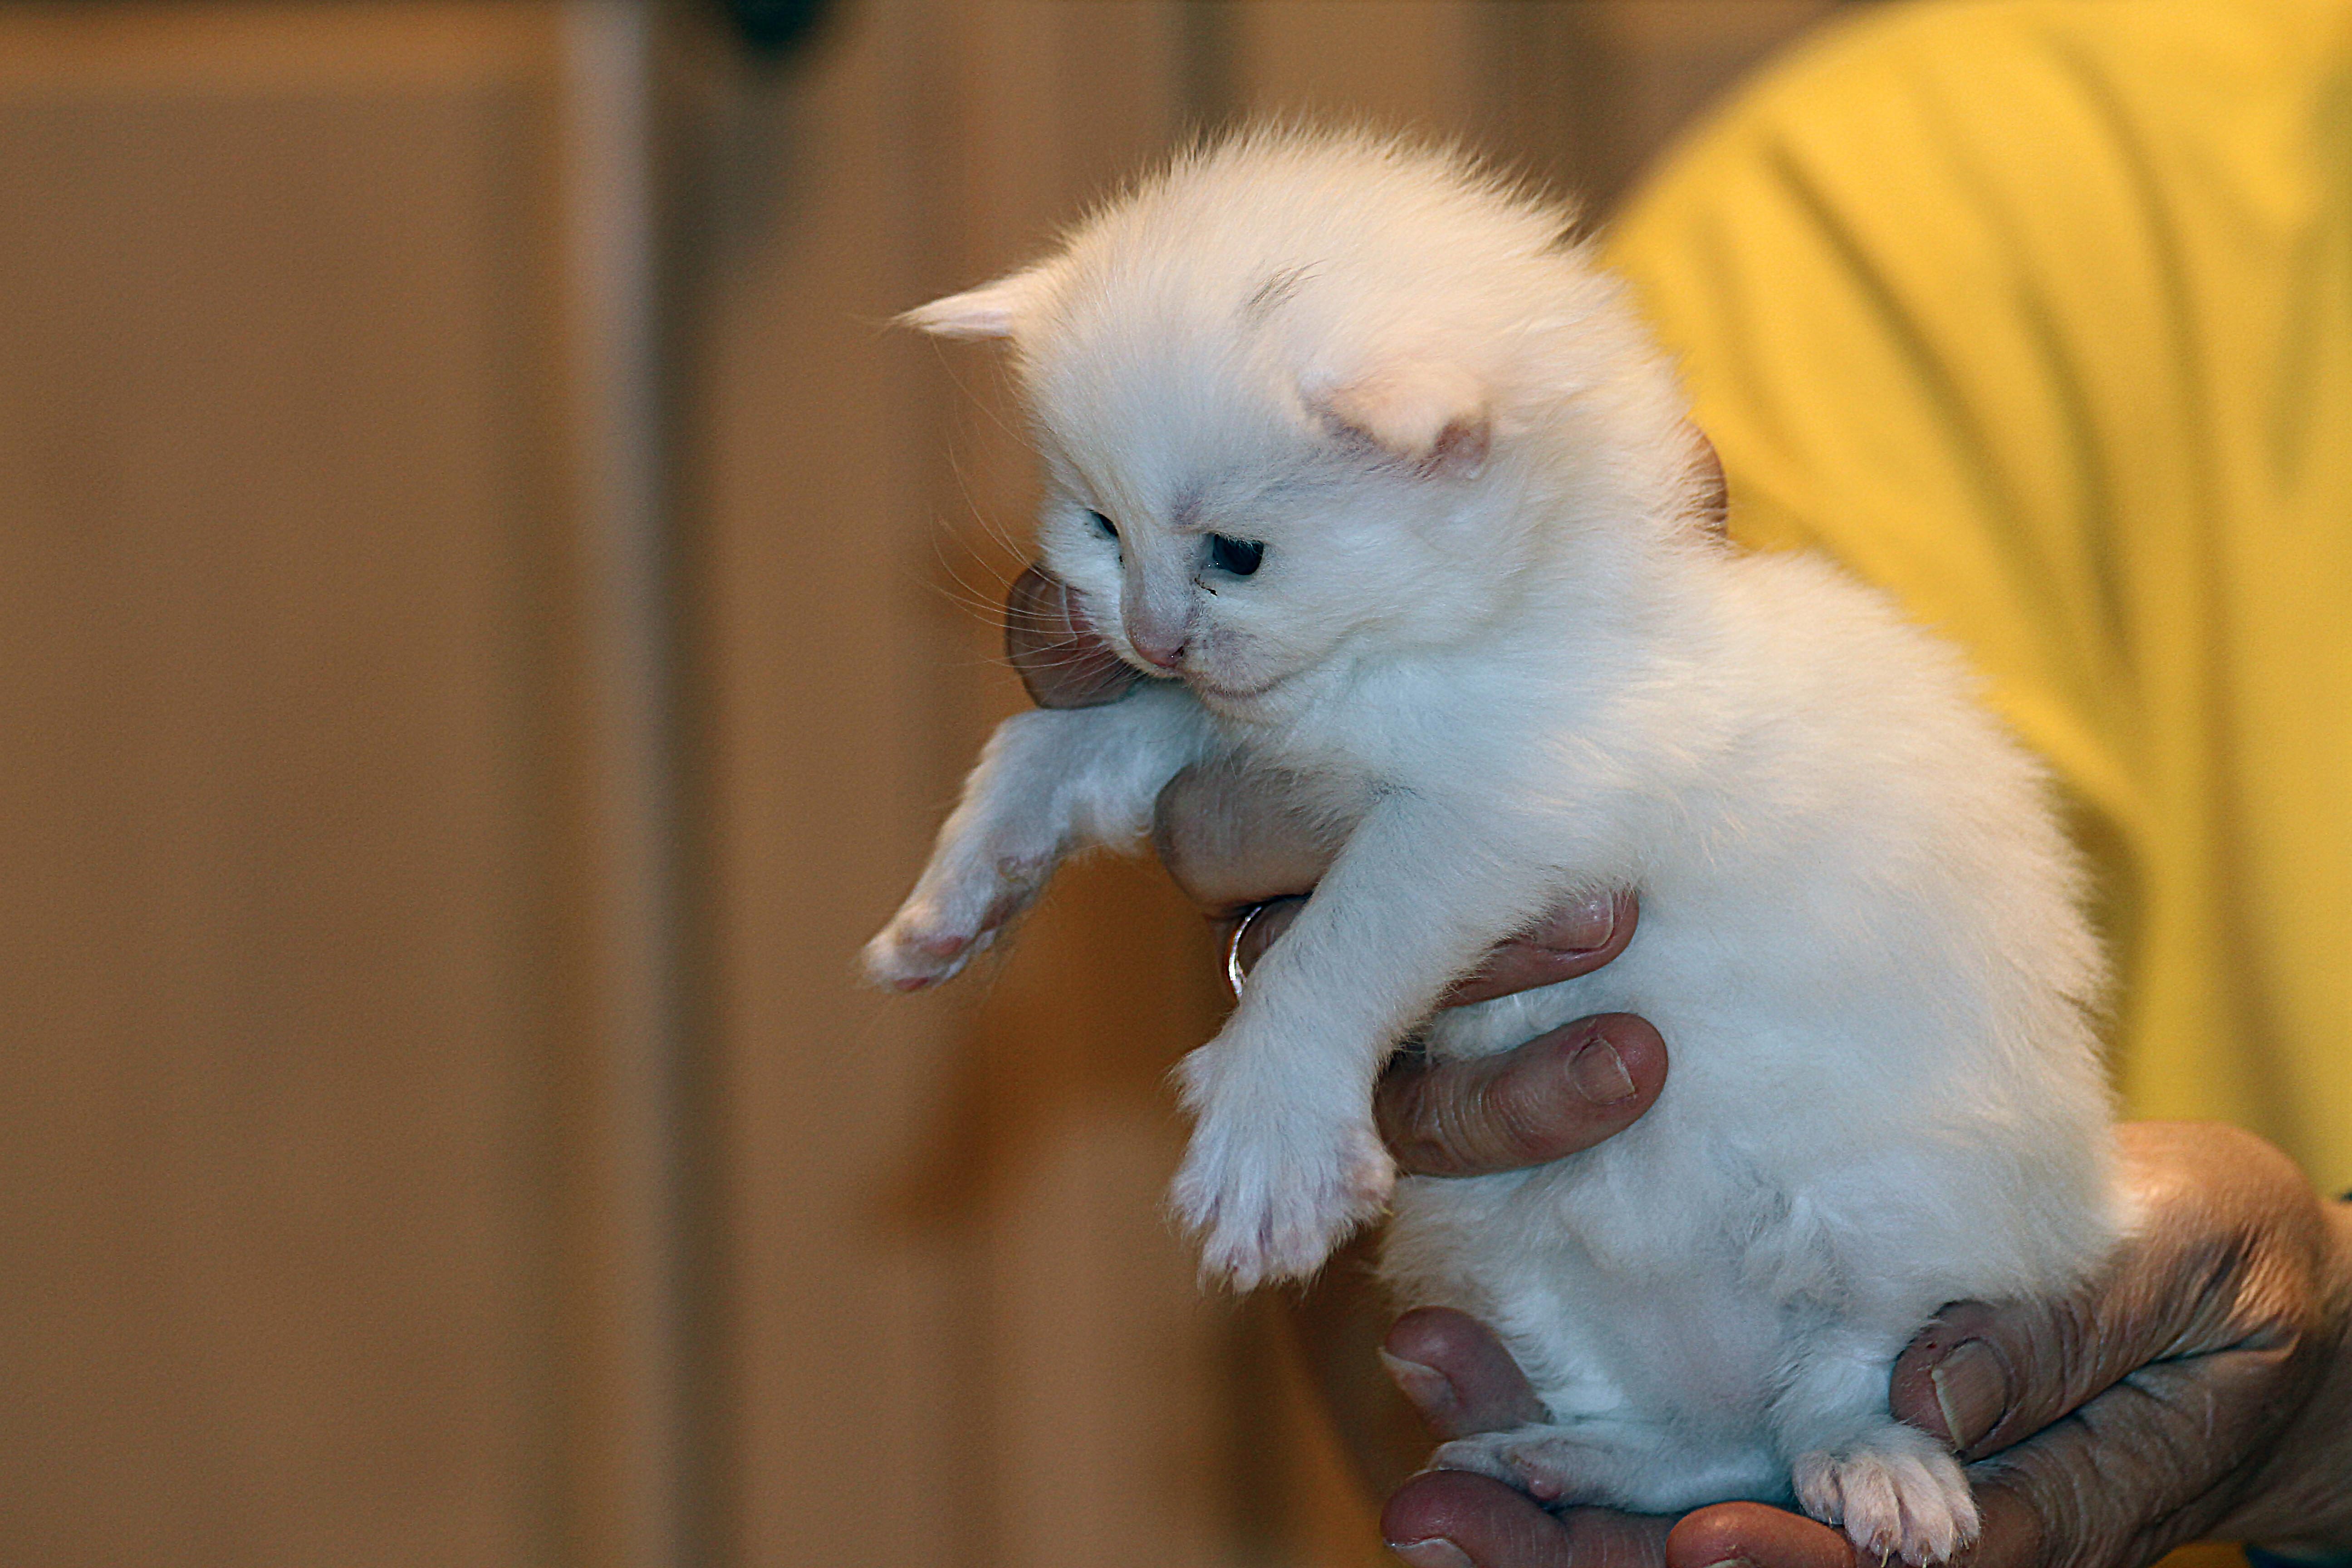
[(489, 621)]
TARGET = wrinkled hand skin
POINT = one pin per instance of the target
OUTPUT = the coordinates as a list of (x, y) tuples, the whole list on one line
[(2200, 1388), (1055, 648)]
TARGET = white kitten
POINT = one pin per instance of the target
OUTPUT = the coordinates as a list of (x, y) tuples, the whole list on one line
[(1350, 440)]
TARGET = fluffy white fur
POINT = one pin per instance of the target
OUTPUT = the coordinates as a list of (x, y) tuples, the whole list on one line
[(1491, 630)]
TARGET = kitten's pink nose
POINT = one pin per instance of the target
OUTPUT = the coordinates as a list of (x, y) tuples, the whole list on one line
[(1163, 649), (1157, 621)]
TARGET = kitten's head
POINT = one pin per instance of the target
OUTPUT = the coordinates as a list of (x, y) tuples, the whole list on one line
[(1295, 397)]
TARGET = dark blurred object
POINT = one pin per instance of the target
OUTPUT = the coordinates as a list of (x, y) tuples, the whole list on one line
[(777, 28), (1055, 649)]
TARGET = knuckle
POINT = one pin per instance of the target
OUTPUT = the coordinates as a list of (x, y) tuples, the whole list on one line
[(1416, 1111), (1525, 1114)]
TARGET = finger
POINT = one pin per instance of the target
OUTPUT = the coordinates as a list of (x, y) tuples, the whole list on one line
[(1457, 1374), (1983, 1377), (2140, 1469), (1561, 1092), (1755, 1535), (1576, 937), (1233, 836), (1451, 1519), (1055, 651)]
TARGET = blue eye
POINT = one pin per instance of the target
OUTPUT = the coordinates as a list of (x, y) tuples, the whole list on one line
[(1104, 525), (1238, 556)]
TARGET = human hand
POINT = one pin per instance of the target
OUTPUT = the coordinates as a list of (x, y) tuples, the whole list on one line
[(1055, 651), (1236, 844), (2201, 1387)]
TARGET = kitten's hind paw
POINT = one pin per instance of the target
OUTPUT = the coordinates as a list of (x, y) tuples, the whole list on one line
[(1542, 1461), (1898, 1494)]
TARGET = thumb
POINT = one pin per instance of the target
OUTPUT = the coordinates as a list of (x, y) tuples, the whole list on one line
[(1457, 1374), (2215, 1268), (1056, 651), (2150, 1464)]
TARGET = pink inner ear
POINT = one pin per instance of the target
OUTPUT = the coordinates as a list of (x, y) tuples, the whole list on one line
[(991, 311), (1461, 447), (1431, 414), (962, 316)]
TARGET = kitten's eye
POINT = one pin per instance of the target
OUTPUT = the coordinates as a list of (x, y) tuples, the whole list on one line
[(1104, 525), (1238, 556)]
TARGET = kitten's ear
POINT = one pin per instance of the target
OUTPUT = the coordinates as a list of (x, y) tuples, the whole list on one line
[(1432, 414), (991, 311), (1713, 489)]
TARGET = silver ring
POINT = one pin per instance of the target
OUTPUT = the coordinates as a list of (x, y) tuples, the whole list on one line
[(1233, 975)]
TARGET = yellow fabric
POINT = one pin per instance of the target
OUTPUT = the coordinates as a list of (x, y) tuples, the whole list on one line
[(2038, 312)]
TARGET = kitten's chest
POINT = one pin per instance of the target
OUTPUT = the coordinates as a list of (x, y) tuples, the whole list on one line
[(1328, 776), (1353, 746)]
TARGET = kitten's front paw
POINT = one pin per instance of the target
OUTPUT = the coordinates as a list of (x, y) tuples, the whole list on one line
[(1897, 1494), (1270, 1184), (948, 920), (914, 954)]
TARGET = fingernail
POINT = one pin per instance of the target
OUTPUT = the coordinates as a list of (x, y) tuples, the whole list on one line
[(1435, 1552), (1599, 1074), (1972, 1391), (1431, 1390), (1733, 1562), (1582, 929)]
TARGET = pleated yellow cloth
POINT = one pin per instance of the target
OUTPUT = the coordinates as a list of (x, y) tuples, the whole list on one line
[(2038, 312)]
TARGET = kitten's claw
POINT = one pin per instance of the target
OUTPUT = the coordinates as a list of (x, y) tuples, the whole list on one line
[(1270, 1187), (1900, 1495)]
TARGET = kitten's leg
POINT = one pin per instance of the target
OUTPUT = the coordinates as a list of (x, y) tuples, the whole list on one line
[(1283, 1160), (1050, 782), (1895, 1490), (1612, 1464)]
